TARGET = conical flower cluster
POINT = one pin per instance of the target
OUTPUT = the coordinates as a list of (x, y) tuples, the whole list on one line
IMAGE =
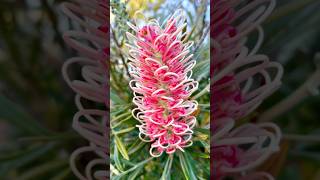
[(161, 68)]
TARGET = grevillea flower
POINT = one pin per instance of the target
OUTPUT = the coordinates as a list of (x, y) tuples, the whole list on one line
[(241, 80), (91, 123), (161, 68)]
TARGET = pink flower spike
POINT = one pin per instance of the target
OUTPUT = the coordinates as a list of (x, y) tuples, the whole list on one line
[(161, 68)]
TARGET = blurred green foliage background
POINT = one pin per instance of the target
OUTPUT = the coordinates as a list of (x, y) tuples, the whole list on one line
[(292, 36), (36, 106)]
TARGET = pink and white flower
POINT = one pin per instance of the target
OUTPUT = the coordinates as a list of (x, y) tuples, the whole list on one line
[(161, 68)]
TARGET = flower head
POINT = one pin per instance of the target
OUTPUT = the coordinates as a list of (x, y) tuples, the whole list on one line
[(161, 68)]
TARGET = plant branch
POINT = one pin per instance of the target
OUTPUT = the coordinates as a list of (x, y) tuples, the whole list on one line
[(121, 55)]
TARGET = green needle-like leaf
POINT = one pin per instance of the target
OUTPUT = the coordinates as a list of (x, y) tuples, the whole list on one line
[(167, 168), (116, 158), (123, 131), (17, 116), (121, 147), (186, 167)]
